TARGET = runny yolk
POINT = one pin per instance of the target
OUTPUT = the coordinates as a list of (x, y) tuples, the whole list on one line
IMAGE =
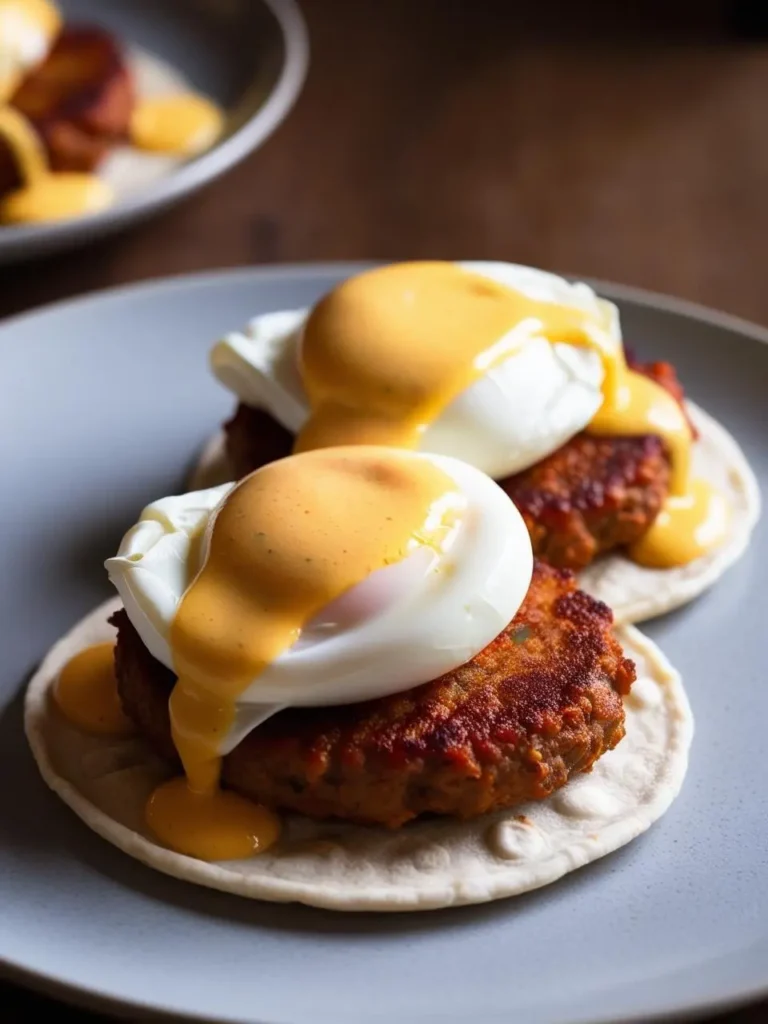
[(44, 195), (86, 692), (285, 543), (385, 352), (185, 124)]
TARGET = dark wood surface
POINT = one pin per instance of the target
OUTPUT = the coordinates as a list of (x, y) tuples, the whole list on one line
[(573, 137)]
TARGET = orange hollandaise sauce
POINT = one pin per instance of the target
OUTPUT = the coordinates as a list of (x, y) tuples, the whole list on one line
[(688, 526), (694, 518), (287, 541), (385, 352), (183, 124), (86, 692), (44, 195)]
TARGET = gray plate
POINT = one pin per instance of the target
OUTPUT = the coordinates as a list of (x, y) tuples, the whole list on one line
[(103, 404), (250, 56)]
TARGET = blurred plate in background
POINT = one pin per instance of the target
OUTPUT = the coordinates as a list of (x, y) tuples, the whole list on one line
[(250, 56)]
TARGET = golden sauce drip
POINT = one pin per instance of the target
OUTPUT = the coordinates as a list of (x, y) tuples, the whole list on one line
[(219, 827), (86, 692), (45, 195), (20, 21), (184, 124), (641, 406), (688, 526), (286, 542), (384, 353), (694, 518), (200, 721)]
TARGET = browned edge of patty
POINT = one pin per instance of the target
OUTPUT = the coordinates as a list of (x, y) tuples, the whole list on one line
[(593, 495), (539, 704)]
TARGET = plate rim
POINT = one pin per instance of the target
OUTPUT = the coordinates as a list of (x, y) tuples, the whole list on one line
[(278, 270), (22, 242), (99, 1000)]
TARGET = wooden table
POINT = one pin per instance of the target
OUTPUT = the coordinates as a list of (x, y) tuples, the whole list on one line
[(632, 151)]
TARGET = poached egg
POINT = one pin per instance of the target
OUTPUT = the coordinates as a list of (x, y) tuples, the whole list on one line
[(332, 576), (521, 408), (494, 363), (402, 625)]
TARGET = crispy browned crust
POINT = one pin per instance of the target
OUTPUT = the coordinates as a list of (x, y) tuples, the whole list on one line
[(591, 496), (79, 99), (539, 704)]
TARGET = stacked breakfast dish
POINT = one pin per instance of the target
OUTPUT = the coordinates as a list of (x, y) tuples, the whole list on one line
[(81, 120), (356, 674), (525, 376)]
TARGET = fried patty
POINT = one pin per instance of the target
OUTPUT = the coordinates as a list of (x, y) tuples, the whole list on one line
[(592, 495), (541, 703), (79, 100)]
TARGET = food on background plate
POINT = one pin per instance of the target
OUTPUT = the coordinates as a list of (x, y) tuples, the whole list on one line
[(350, 684), (524, 376), (80, 120), (27, 31), (79, 101)]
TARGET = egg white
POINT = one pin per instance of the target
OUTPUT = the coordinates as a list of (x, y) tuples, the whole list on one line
[(430, 615), (517, 413)]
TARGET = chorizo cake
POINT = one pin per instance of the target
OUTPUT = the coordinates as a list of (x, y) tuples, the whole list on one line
[(538, 705), (490, 736)]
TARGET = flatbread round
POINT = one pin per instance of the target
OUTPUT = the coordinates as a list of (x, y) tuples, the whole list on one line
[(636, 593), (425, 865), (632, 591)]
